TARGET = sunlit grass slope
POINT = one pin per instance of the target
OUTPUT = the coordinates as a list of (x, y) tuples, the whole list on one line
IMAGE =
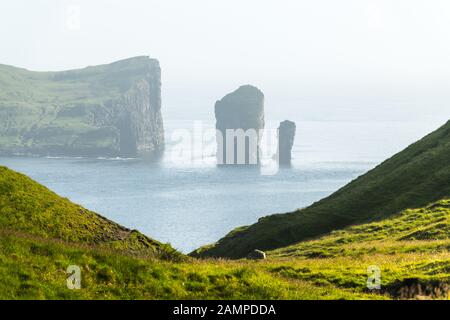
[(28, 207), (412, 250), (35, 269)]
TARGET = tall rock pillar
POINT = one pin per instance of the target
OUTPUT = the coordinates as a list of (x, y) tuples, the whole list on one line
[(286, 135), (239, 124)]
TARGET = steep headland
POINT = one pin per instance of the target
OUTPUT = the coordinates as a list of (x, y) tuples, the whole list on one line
[(104, 110)]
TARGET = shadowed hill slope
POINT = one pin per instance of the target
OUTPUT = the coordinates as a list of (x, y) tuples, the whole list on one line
[(412, 230), (413, 178)]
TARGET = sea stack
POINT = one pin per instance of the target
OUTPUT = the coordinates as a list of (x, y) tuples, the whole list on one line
[(111, 110), (286, 135), (239, 124)]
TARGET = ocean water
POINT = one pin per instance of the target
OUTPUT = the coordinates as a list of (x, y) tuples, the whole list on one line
[(187, 201)]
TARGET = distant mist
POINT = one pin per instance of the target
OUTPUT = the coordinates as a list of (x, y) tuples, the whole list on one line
[(309, 57)]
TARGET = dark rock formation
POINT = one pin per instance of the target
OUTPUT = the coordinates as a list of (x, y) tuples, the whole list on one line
[(139, 117), (286, 135), (239, 121), (257, 255), (106, 110)]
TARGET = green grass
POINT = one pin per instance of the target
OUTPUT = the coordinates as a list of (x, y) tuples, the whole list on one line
[(42, 234), (35, 269), (415, 177), (27, 206), (333, 267), (413, 230), (410, 247)]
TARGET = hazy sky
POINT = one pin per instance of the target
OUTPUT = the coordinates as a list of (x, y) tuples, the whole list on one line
[(293, 50)]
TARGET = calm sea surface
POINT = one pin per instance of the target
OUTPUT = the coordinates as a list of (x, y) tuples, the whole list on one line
[(190, 203)]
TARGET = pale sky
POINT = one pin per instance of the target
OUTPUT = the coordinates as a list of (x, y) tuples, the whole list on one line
[(375, 50)]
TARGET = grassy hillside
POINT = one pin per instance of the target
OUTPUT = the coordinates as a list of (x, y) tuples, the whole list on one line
[(413, 178), (35, 269), (41, 234), (30, 208), (410, 248), (412, 230)]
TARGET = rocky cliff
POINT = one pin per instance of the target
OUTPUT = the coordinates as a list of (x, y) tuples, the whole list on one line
[(286, 135), (105, 110), (239, 121)]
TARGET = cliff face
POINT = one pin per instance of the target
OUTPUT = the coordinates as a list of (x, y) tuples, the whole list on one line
[(139, 117), (106, 110), (240, 111), (286, 135)]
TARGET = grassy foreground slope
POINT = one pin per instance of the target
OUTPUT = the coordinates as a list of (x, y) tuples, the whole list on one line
[(28, 207), (413, 178), (42, 234), (36, 269)]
